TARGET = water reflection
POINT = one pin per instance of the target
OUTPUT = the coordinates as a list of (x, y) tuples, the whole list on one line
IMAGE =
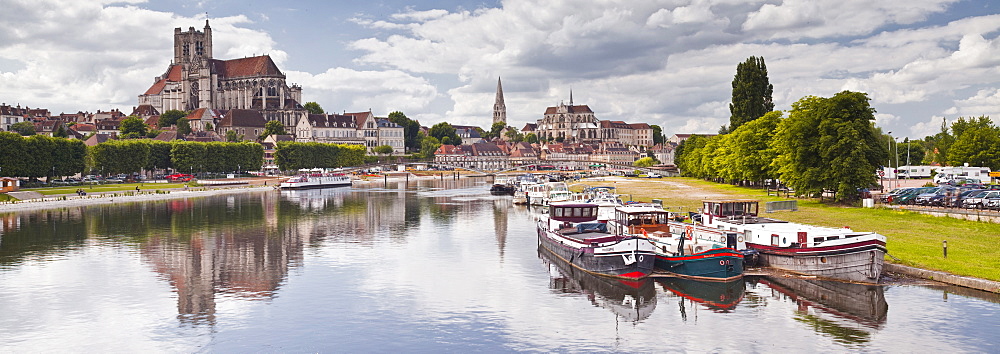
[(714, 295), (631, 301), (847, 312)]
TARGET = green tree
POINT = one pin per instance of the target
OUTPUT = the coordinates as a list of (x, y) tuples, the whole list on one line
[(411, 128), (383, 150), (170, 117), (60, 132), (531, 138), (13, 161), (159, 155), (910, 152), (23, 128), (977, 142), (120, 156), (644, 162), (496, 129), (313, 108), (208, 126), (829, 144), (273, 127), (233, 137), (183, 128), (751, 93), (429, 145), (132, 127), (188, 156), (658, 137), (751, 154), (514, 135), (444, 133), (39, 151)]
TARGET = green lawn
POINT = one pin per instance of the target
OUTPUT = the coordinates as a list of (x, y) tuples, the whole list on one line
[(99, 188), (913, 238)]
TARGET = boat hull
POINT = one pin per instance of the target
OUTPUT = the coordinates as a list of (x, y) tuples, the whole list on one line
[(630, 258), (718, 264), (317, 183), (857, 262)]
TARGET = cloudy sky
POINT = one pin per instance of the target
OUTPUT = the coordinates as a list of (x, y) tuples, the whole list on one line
[(665, 62)]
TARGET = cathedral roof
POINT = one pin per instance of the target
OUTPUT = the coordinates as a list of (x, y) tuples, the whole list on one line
[(252, 66), (173, 75), (570, 109)]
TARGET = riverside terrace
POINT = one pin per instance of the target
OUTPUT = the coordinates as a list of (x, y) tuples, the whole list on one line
[(469, 164)]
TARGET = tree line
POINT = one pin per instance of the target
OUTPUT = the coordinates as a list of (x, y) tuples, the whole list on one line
[(295, 155), (825, 144)]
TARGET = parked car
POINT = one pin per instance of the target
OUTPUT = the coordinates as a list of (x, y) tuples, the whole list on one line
[(979, 200), (934, 197), (887, 198), (910, 195), (956, 200), (179, 177)]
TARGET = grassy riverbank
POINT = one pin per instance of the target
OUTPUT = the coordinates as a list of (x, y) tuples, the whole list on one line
[(913, 238), (102, 188)]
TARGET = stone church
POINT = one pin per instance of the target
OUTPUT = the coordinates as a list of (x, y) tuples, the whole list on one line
[(196, 80)]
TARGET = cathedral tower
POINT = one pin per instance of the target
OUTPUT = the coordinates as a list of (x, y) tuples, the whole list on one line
[(499, 108)]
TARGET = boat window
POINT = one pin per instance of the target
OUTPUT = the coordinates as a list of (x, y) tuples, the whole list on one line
[(727, 209), (817, 240), (559, 212), (577, 212), (832, 238)]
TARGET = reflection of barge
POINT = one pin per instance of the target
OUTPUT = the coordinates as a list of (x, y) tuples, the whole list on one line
[(631, 300), (858, 303), (716, 295)]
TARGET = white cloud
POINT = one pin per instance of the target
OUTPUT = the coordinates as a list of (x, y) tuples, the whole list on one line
[(79, 55), (927, 128), (986, 102), (353, 90), (797, 19)]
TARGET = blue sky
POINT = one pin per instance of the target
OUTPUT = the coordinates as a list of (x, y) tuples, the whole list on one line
[(667, 62)]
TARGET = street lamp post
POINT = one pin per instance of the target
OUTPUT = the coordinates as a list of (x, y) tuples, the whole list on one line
[(896, 145), (889, 155)]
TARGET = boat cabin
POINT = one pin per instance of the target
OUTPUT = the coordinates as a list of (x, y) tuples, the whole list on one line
[(730, 208), (647, 218), (573, 212)]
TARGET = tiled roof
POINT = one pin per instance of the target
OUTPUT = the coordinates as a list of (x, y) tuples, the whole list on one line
[(570, 109), (97, 139), (173, 75), (242, 118), (332, 121), (145, 110), (360, 117), (529, 127), (168, 135), (83, 127), (252, 66), (153, 121), (640, 126)]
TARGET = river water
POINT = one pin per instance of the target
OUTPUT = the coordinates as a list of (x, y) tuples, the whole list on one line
[(427, 266)]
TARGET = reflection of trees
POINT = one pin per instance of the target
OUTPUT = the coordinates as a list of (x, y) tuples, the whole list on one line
[(41, 233)]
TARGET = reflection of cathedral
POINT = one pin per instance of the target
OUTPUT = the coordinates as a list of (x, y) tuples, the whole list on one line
[(235, 260), (195, 80)]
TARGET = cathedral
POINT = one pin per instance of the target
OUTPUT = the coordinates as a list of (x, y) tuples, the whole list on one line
[(195, 80)]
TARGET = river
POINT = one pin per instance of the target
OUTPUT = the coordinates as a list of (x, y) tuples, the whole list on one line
[(428, 266)]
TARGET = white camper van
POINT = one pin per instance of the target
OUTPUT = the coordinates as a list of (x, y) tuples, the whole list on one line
[(975, 174)]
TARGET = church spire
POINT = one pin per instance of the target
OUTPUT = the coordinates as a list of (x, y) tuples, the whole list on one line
[(570, 97), (499, 108)]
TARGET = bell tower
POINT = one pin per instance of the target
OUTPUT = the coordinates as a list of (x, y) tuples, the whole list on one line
[(499, 108)]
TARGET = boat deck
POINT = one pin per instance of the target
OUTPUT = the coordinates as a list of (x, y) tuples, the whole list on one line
[(587, 236)]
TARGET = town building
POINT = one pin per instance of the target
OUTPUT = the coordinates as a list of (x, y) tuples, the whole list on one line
[(578, 124), (195, 79), (12, 115)]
